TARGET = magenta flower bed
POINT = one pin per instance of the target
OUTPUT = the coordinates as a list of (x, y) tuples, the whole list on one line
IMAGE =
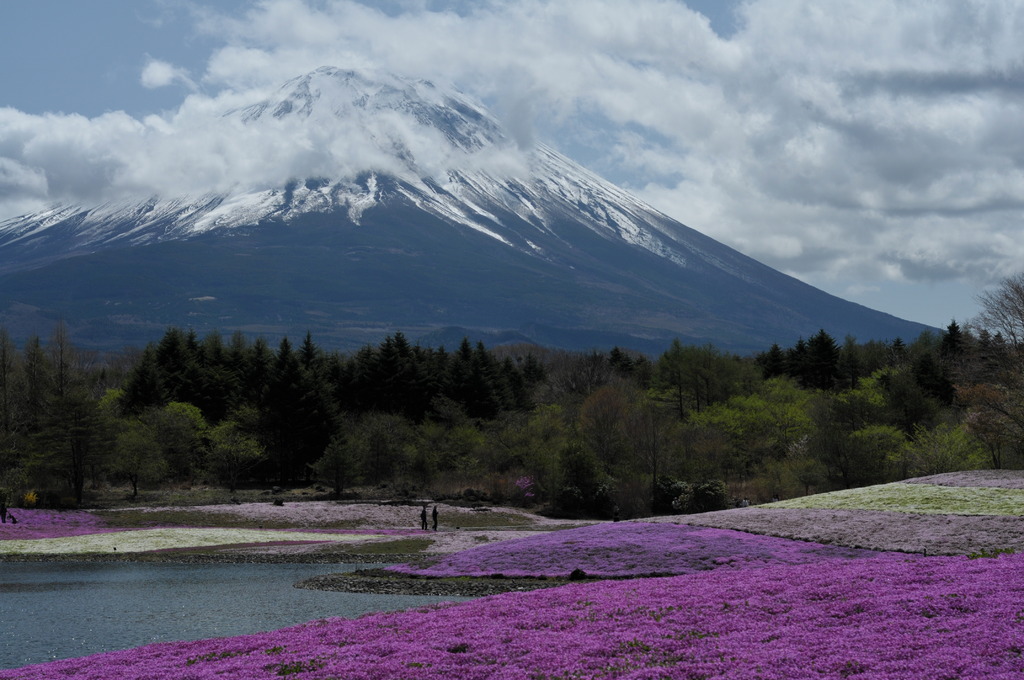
[(894, 617), (630, 549), (52, 524)]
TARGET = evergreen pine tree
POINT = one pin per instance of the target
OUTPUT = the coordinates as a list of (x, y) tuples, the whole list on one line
[(143, 387), (772, 362), (822, 361)]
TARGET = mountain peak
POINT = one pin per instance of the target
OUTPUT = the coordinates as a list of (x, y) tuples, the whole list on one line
[(402, 206), (330, 95)]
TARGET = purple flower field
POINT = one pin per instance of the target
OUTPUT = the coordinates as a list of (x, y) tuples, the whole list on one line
[(52, 524), (1002, 479), (743, 606), (895, 617), (905, 532), (935, 534), (630, 549)]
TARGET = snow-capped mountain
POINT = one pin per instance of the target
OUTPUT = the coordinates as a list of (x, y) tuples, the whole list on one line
[(419, 214)]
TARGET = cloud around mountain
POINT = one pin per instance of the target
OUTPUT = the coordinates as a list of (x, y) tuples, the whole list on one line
[(874, 141), (224, 144), (438, 222)]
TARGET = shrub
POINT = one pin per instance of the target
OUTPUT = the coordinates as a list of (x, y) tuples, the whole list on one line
[(570, 500), (704, 496), (602, 503), (666, 491)]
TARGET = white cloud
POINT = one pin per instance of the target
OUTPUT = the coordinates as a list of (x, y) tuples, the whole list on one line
[(159, 73), (839, 140)]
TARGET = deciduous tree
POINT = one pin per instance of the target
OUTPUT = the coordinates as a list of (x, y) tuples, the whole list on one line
[(1002, 310), (339, 464), (234, 450), (136, 455), (946, 448)]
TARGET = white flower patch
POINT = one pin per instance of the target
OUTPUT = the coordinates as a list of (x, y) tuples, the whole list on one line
[(145, 540), (353, 515)]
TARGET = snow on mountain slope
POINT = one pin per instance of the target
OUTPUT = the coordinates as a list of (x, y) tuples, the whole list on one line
[(473, 171), (408, 207)]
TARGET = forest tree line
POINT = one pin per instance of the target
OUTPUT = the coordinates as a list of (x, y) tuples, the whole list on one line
[(591, 433)]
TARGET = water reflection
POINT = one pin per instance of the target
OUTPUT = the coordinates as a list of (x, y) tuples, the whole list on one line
[(59, 610)]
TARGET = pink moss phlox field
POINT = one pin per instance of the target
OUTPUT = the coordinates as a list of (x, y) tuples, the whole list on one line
[(892, 618), (52, 524), (630, 549), (37, 524), (873, 529), (1003, 479)]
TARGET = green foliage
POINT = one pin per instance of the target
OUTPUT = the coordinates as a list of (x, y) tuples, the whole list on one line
[(799, 473), (295, 421), (584, 489), (872, 447), (822, 362), (666, 491), (530, 444), (382, 444), (457, 446), (946, 448), (692, 378), (704, 496), (592, 430), (181, 432), (339, 464), (136, 455), (233, 450), (773, 362), (69, 443), (602, 424), (759, 427), (854, 408)]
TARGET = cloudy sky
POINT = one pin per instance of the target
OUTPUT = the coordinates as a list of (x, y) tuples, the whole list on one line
[(872, 148)]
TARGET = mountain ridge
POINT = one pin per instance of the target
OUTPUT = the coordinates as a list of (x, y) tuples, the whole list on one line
[(452, 225)]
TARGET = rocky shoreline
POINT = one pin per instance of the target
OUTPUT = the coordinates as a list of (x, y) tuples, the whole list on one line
[(217, 558), (371, 581)]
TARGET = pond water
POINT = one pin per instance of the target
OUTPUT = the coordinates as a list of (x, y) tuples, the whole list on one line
[(57, 610)]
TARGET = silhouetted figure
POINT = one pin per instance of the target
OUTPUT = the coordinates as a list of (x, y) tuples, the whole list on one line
[(3, 512), (423, 517), (435, 517)]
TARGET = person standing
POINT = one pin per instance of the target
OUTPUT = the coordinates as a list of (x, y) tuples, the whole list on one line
[(435, 517), (423, 517), (3, 511)]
